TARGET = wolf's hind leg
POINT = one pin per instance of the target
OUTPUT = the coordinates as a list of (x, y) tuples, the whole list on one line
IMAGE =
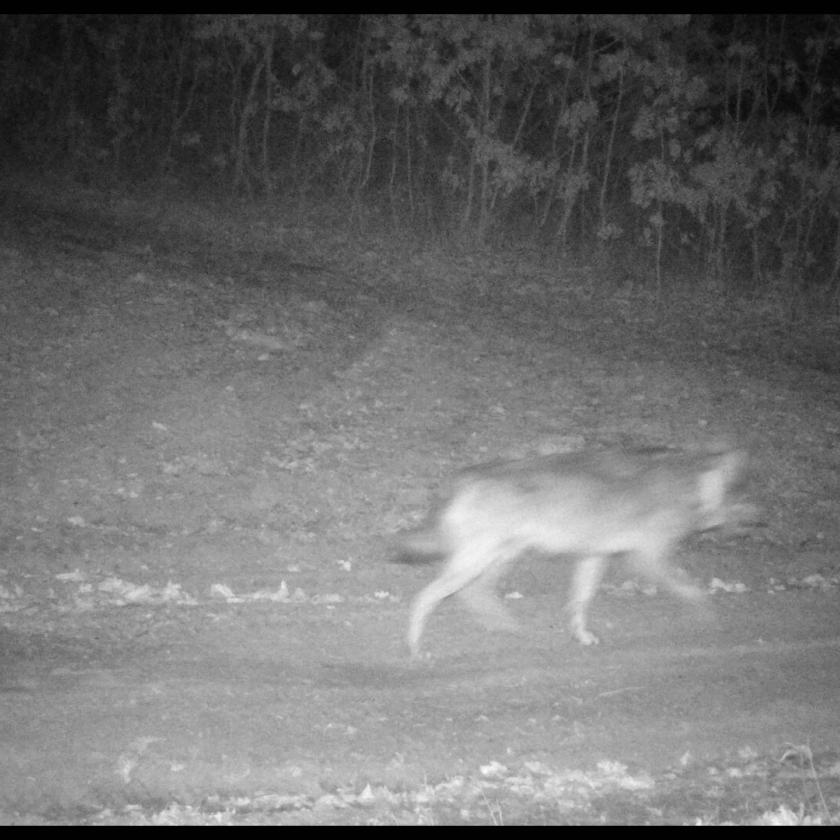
[(463, 567), (481, 596)]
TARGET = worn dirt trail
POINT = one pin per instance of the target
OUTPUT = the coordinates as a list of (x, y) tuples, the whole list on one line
[(205, 452)]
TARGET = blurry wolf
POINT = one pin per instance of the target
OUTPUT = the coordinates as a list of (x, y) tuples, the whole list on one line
[(588, 506)]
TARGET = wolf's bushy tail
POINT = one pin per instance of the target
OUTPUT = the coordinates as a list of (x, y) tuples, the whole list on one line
[(421, 546)]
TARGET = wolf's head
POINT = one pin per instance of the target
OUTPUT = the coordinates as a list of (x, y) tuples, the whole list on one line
[(719, 477)]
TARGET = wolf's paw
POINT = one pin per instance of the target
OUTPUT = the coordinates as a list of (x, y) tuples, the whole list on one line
[(584, 636)]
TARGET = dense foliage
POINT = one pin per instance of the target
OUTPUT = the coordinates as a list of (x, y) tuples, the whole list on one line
[(712, 138)]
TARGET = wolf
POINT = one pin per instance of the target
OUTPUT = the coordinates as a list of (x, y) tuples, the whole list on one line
[(588, 506)]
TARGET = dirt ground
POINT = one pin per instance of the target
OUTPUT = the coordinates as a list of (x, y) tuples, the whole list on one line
[(214, 420)]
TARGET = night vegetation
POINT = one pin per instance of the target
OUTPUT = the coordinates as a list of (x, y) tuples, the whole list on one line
[(703, 141)]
